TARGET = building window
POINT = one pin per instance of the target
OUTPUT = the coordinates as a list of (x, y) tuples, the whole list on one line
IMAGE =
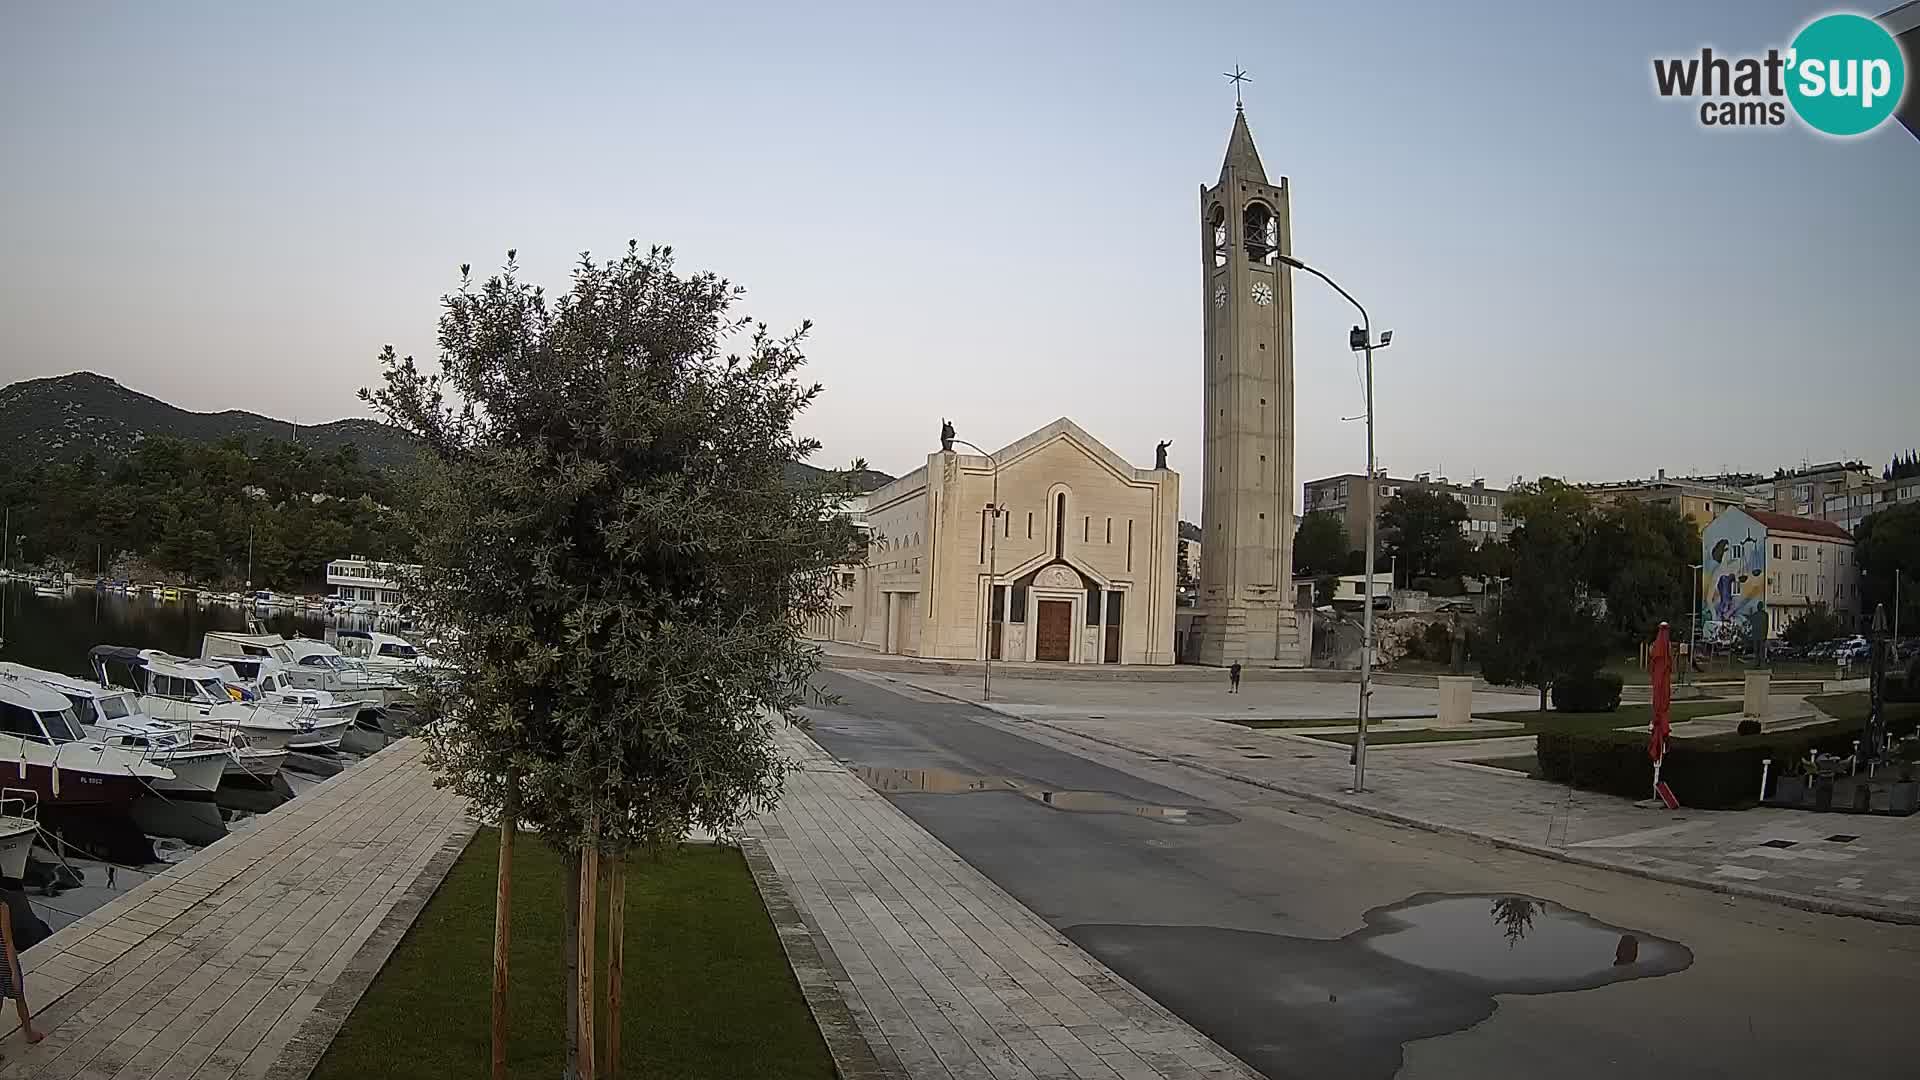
[(1018, 613), (1114, 607), (1086, 529), (1129, 544), (1093, 606), (1109, 530), (1060, 525), (1776, 551), (1029, 524)]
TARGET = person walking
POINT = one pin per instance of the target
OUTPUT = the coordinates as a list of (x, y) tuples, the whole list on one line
[(13, 938), (1233, 677)]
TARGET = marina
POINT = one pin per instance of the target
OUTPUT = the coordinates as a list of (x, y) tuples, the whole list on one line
[(137, 730)]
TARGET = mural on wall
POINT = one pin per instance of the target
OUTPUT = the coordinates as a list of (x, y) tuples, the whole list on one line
[(1733, 580)]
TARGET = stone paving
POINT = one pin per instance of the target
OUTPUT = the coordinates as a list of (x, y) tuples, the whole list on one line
[(251, 952), (1843, 863), (947, 976)]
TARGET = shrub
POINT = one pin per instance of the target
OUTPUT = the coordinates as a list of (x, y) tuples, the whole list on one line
[(1713, 773), (1748, 727), (1590, 691)]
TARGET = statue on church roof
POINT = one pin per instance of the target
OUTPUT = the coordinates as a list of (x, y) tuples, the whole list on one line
[(946, 435), (1160, 454)]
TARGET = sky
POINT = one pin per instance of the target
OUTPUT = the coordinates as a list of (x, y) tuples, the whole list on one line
[(989, 211)]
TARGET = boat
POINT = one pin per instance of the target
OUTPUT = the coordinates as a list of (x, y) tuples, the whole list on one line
[(324, 720), (43, 746), (19, 827), (169, 594), (189, 692), (113, 715), (311, 665)]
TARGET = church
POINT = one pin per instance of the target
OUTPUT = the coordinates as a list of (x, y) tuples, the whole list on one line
[(1056, 549)]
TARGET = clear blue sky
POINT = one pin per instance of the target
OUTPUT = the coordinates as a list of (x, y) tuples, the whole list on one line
[(989, 210)]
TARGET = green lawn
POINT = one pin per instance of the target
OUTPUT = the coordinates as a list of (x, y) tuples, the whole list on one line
[(1534, 722), (1721, 669), (708, 994)]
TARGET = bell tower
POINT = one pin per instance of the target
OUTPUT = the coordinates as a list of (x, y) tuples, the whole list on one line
[(1245, 607)]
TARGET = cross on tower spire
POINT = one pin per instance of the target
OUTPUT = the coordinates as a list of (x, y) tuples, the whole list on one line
[(1237, 76)]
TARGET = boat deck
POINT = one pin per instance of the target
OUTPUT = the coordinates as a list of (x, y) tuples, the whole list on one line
[(242, 961)]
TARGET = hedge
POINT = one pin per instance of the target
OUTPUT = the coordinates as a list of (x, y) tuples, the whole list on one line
[(1713, 773), (1587, 692)]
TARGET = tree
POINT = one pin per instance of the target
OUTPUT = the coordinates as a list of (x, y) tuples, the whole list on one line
[(1320, 545), (1902, 466), (1639, 556), (1542, 627), (605, 515), (1887, 548), (1812, 626), (1416, 527)]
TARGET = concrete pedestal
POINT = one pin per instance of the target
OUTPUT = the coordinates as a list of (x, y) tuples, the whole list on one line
[(1456, 699), (1756, 696)]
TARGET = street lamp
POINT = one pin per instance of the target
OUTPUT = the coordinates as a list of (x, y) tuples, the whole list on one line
[(1693, 620), (1361, 340), (993, 572)]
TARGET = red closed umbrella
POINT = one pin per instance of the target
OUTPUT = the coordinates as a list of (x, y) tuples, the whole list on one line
[(1660, 672)]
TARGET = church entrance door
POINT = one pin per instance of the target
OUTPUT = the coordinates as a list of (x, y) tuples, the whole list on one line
[(1054, 639)]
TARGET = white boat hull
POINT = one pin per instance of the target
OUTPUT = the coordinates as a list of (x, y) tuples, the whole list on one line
[(325, 735), (16, 840), (255, 763), (194, 771)]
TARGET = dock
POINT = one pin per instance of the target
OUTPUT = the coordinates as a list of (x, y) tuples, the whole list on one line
[(243, 961)]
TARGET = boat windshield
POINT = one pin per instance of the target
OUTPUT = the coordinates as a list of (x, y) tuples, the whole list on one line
[(62, 726), (399, 650), (323, 660), (211, 692), (117, 706)]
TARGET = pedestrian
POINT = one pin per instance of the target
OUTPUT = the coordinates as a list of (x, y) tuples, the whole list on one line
[(13, 984), (1233, 677)]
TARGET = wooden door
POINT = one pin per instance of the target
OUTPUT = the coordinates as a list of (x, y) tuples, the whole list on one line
[(1053, 639)]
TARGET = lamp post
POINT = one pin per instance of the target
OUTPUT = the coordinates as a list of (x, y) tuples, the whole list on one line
[(993, 571), (1693, 620), (1361, 340)]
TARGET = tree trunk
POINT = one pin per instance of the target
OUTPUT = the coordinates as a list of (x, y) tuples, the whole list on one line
[(616, 957), (503, 926), (1543, 697), (585, 999), (570, 1066)]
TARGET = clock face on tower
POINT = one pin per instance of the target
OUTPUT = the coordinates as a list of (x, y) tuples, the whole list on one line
[(1262, 293), (1220, 296)]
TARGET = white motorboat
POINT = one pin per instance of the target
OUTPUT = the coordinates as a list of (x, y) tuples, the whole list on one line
[(311, 665), (113, 716), (190, 692), (244, 759), (45, 749), (19, 827)]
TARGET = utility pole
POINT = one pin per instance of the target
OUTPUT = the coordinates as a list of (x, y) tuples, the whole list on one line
[(993, 569)]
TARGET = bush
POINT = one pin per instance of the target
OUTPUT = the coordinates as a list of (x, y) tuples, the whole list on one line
[(1748, 727), (1590, 691), (1434, 643), (1902, 686), (1712, 773)]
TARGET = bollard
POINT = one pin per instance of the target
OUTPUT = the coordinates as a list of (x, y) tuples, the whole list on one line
[(1855, 770), (1766, 765)]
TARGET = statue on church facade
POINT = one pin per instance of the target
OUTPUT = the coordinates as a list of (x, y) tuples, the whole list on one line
[(1160, 454), (946, 435)]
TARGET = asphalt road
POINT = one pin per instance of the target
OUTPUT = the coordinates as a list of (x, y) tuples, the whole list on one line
[(1314, 942)]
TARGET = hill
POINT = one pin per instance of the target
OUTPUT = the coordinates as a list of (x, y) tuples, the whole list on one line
[(865, 479), (60, 419)]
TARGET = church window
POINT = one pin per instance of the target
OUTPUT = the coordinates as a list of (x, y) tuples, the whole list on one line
[(1086, 529), (1093, 606), (1109, 530), (1262, 233), (1006, 523), (1060, 525), (1029, 524), (1018, 614), (1129, 543), (1217, 224)]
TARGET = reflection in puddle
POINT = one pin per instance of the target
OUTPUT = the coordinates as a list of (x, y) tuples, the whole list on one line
[(949, 782), (1427, 966)]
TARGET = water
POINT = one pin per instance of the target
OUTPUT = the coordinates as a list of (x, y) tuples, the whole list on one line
[(55, 633), (1427, 966), (889, 781)]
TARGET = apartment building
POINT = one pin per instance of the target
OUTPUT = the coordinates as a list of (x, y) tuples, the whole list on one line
[(1346, 496)]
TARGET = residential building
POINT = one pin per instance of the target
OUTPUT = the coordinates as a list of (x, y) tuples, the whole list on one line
[(1699, 499), (361, 579), (1760, 570), (1346, 496), (1806, 492), (1080, 568)]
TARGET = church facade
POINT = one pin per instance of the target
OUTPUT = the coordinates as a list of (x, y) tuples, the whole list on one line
[(1053, 549)]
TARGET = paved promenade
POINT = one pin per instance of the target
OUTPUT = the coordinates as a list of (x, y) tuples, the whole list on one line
[(946, 975), (1851, 864), (250, 953)]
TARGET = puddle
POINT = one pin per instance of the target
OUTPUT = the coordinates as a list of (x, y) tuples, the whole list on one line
[(1430, 965), (948, 782), (1517, 944)]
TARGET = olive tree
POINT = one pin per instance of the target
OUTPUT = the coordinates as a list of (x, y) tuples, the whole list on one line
[(612, 534)]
